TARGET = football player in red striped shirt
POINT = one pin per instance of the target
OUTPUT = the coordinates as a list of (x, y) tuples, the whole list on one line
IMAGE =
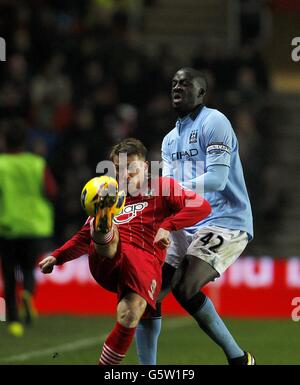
[(126, 255)]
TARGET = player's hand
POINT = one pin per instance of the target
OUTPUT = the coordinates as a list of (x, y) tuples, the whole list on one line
[(47, 264), (162, 238)]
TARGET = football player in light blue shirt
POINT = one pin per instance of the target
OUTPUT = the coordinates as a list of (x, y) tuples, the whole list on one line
[(202, 153), (206, 139)]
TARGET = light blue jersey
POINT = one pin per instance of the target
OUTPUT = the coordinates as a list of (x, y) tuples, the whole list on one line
[(206, 137)]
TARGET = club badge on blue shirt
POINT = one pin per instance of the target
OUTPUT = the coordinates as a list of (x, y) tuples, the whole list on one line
[(193, 137)]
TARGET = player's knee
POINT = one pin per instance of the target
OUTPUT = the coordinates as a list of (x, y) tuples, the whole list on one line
[(128, 318), (130, 314), (191, 300), (184, 291)]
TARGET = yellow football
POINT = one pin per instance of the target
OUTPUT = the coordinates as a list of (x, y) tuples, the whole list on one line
[(94, 190)]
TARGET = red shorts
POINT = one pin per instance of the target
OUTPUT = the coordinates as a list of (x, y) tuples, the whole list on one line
[(131, 268)]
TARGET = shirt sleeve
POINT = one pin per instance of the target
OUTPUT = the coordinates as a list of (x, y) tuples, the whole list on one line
[(166, 158), (217, 137), (75, 247), (215, 179), (186, 206)]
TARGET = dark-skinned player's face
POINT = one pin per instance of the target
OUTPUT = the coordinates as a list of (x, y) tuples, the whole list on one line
[(186, 92)]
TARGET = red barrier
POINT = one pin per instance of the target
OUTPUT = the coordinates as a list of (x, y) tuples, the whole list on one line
[(251, 287)]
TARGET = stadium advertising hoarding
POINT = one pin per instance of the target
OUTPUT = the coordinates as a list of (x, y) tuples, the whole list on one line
[(252, 287)]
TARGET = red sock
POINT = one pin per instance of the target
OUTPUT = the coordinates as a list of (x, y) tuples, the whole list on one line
[(116, 345)]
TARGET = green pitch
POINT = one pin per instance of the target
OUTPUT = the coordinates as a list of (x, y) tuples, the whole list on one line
[(78, 340)]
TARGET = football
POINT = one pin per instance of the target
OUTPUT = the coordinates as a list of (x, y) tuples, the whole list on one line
[(95, 190)]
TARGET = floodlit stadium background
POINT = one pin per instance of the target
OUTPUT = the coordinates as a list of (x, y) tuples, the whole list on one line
[(85, 74)]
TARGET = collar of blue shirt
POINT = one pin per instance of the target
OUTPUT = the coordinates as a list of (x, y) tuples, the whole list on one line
[(192, 115)]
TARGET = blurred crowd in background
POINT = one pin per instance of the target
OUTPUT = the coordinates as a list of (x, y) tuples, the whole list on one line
[(81, 79)]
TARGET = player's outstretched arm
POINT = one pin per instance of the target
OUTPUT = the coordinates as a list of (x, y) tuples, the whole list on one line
[(72, 249), (75, 247)]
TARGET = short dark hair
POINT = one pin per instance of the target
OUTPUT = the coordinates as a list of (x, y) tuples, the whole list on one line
[(196, 74), (130, 146), (15, 134)]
